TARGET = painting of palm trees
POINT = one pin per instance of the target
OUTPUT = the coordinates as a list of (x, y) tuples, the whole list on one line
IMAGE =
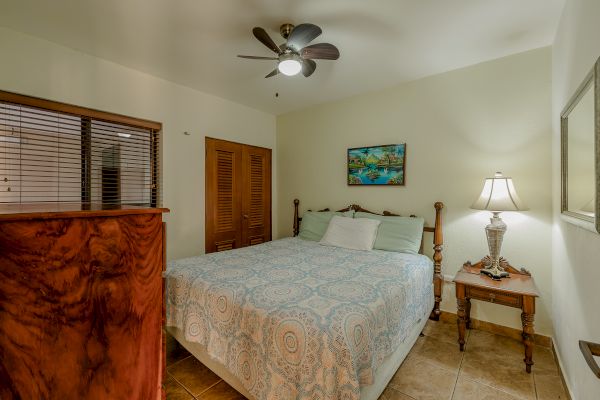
[(377, 165)]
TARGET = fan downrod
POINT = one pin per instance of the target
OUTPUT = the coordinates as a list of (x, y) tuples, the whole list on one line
[(285, 30)]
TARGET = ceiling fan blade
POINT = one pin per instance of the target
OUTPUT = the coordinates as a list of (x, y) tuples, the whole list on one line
[(265, 39), (258, 58), (308, 67), (320, 51), (272, 73), (302, 35)]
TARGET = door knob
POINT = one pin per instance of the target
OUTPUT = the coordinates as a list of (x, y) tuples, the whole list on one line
[(245, 216)]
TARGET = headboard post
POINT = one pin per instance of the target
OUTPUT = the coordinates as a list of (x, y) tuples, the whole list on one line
[(296, 218), (438, 278)]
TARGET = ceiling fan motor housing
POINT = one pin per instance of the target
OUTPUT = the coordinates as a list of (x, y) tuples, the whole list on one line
[(285, 30)]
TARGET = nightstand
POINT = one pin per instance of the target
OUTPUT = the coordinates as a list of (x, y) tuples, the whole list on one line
[(518, 290)]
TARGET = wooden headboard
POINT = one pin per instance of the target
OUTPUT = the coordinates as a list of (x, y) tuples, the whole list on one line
[(438, 242)]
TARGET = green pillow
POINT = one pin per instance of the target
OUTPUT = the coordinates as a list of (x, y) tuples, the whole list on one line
[(315, 223), (401, 234)]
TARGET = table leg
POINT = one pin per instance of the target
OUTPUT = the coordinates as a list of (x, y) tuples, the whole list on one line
[(462, 315), (468, 311), (527, 318)]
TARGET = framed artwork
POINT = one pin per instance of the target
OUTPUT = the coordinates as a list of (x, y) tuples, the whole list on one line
[(377, 165)]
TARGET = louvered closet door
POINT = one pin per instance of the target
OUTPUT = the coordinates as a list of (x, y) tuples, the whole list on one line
[(256, 195), (223, 204), (238, 195)]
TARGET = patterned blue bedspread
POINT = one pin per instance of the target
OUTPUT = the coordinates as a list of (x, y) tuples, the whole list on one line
[(292, 319)]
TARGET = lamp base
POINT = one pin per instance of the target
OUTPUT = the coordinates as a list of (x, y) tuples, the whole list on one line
[(495, 270), (494, 233), (495, 273)]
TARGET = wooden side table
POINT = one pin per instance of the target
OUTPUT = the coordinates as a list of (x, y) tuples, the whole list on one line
[(518, 290)]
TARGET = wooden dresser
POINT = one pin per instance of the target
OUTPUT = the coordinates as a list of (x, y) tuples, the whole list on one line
[(81, 302)]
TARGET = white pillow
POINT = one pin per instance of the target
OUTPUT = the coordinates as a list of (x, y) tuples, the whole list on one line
[(356, 234)]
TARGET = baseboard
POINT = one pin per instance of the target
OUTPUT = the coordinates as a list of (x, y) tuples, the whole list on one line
[(540, 340), (559, 363)]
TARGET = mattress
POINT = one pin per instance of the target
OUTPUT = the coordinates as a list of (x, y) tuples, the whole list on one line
[(292, 319)]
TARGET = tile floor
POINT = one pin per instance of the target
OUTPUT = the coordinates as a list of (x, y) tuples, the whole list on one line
[(491, 368)]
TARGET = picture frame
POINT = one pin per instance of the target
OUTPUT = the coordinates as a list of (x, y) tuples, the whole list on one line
[(580, 154), (382, 165)]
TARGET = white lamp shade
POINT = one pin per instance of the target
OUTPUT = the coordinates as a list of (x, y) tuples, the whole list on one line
[(499, 194)]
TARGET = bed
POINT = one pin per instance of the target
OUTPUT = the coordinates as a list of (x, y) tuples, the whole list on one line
[(292, 319)]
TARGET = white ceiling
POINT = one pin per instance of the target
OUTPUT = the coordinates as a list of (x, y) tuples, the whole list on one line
[(382, 42)]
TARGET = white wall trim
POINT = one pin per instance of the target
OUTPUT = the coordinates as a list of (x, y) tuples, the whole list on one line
[(562, 368)]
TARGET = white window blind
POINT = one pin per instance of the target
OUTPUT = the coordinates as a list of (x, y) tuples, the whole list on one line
[(54, 156)]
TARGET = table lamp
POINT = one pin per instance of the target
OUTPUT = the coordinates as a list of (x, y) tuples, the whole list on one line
[(498, 195)]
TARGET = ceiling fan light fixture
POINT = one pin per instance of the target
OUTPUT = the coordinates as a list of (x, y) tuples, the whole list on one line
[(289, 64), (296, 55)]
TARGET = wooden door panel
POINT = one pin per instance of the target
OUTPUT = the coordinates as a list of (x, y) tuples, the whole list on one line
[(223, 195), (225, 178), (223, 245), (256, 197), (238, 195)]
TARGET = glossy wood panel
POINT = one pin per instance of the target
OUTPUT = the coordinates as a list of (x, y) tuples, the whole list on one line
[(30, 211), (81, 308)]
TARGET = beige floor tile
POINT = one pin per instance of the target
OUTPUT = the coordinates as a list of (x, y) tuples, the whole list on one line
[(480, 341), (549, 386), (439, 353), (423, 380), (193, 375), (491, 368), (544, 362), (175, 391), (467, 389), (221, 391), (443, 331), (499, 370), (392, 394)]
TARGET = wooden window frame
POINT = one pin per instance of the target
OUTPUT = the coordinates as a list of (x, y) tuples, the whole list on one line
[(87, 115)]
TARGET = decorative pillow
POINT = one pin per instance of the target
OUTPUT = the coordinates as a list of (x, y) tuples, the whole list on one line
[(315, 223), (350, 233), (400, 234)]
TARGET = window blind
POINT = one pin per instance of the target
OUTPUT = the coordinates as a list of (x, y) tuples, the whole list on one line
[(49, 155)]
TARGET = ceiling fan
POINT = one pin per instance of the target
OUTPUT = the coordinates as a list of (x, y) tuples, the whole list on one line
[(295, 55)]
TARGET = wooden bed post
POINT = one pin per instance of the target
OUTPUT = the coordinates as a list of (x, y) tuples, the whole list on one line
[(296, 218), (438, 279)]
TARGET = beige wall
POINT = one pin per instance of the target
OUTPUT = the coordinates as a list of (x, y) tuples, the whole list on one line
[(39, 68), (460, 127), (576, 251)]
